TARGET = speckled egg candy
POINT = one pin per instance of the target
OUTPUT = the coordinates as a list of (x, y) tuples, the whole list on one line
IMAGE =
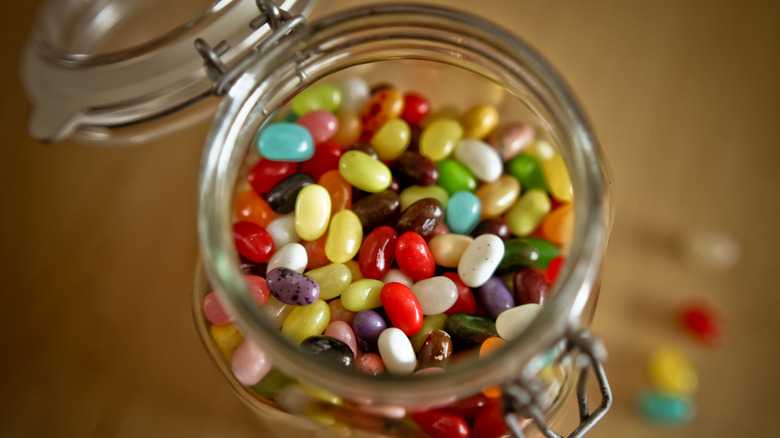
[(510, 139), (291, 287), (480, 260)]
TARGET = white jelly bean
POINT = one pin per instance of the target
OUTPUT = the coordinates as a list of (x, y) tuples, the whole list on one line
[(282, 230), (276, 311), (511, 322), (292, 255), (250, 363), (397, 276), (480, 260), (396, 351), (483, 161), (355, 92), (436, 294)]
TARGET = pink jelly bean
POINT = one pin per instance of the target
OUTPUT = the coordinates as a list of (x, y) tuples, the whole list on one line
[(250, 363), (339, 313), (321, 124), (370, 363), (213, 310), (257, 288), (343, 332)]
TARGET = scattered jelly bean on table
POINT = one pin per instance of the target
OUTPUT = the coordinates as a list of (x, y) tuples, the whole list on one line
[(665, 408), (704, 323)]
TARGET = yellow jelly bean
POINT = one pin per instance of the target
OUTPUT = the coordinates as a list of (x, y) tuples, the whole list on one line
[(365, 172), (321, 394), (438, 139), (349, 130), (305, 321), (430, 324), (479, 121), (528, 212), (670, 371), (412, 194), (344, 237), (448, 248), (319, 415), (354, 268), (276, 311), (556, 175), (312, 212), (362, 295), (499, 196), (332, 278), (392, 139), (447, 112), (227, 338)]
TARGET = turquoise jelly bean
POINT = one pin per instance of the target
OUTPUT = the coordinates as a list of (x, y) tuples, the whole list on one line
[(463, 212), (454, 176), (285, 142), (664, 408)]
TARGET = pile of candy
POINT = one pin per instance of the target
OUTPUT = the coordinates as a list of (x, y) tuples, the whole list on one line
[(387, 238)]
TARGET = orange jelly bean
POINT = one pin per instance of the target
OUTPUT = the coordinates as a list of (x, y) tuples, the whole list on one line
[(384, 105), (251, 207), (350, 127), (315, 251), (558, 226), (339, 189), (488, 346)]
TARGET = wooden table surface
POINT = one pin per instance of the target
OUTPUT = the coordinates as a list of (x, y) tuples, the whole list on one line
[(98, 244)]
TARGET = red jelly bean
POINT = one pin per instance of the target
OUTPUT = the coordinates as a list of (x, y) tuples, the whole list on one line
[(315, 252), (416, 107), (326, 157), (264, 175), (439, 424), (377, 253), (414, 257), (253, 241), (213, 310), (468, 407), (554, 268), (257, 288), (465, 302), (704, 323), (402, 307), (489, 422)]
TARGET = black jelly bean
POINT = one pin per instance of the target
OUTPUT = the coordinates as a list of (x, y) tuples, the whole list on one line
[(281, 198)]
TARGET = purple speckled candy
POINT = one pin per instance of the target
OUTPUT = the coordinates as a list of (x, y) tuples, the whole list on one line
[(291, 287), (368, 325), (495, 297)]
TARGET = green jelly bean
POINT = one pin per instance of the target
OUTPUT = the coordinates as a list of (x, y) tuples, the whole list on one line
[(518, 253), (273, 383), (547, 251), (362, 295), (412, 194), (319, 97), (454, 176), (528, 171), (365, 172), (430, 324), (664, 408), (528, 212), (469, 331), (332, 278)]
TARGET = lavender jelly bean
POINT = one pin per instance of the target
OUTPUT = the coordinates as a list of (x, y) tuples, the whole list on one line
[(291, 287), (495, 297), (368, 325)]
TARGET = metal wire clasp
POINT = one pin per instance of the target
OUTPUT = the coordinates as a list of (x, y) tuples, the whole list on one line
[(280, 22), (523, 396)]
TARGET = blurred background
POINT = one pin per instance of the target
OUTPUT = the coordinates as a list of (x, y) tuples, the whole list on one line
[(98, 245)]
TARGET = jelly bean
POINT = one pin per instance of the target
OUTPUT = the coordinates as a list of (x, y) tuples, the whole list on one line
[(354, 268), (511, 323), (490, 345), (421, 217), (467, 407), (465, 302), (282, 197), (499, 196), (264, 175), (326, 157), (339, 313), (442, 425), (282, 230), (448, 248), (295, 400), (362, 295), (254, 268), (479, 121), (436, 294), (227, 338), (368, 325), (495, 226), (333, 279), (312, 212), (554, 268), (252, 208), (416, 108), (489, 422), (556, 175), (495, 297), (414, 257), (343, 332), (703, 322), (364, 147), (292, 256), (338, 188), (329, 349), (371, 363), (378, 209), (319, 97), (528, 212), (665, 408), (355, 92), (480, 260), (445, 112), (214, 311), (402, 307), (344, 237), (435, 351), (530, 286), (305, 321), (558, 226), (398, 276), (253, 241), (291, 287), (383, 105), (315, 252), (285, 142), (364, 172), (482, 160), (431, 323), (528, 171), (257, 288), (511, 139), (454, 176), (547, 251), (321, 124), (412, 194), (396, 352), (249, 363), (349, 130), (272, 383), (276, 311), (469, 331), (392, 139), (413, 168), (377, 253), (463, 212), (438, 139), (671, 372), (518, 253)]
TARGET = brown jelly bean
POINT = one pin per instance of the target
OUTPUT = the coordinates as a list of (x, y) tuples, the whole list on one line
[(412, 168), (531, 286), (366, 147), (436, 350), (421, 217), (282, 197), (381, 208), (495, 226)]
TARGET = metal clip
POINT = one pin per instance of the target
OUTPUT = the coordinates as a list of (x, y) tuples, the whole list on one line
[(524, 395)]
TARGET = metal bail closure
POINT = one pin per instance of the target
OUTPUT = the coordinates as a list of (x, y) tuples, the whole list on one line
[(523, 396), (281, 23)]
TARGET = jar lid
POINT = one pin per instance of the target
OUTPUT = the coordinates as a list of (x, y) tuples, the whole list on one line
[(91, 67)]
